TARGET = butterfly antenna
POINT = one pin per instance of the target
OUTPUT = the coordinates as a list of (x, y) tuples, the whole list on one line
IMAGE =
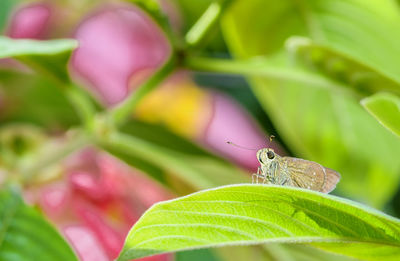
[(271, 137), (231, 143)]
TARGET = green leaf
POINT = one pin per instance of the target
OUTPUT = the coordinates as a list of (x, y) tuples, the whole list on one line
[(196, 255), (365, 31), (26, 235), (152, 145), (385, 107), (191, 11), (263, 68), (34, 99), (48, 57), (297, 252), (363, 79), (21, 47), (321, 124), (278, 252), (254, 214), (205, 25), (6, 7)]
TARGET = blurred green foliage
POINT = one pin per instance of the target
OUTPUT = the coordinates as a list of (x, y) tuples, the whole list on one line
[(317, 123), (177, 156), (25, 233), (48, 57), (385, 107), (190, 12), (29, 98), (6, 7)]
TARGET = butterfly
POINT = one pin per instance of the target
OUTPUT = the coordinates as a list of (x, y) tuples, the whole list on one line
[(295, 172)]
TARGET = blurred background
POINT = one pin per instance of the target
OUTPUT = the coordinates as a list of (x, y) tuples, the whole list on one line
[(302, 80)]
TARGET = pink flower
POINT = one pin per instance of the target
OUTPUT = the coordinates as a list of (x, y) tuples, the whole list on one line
[(119, 46), (85, 243), (115, 45), (208, 117), (98, 202), (30, 21), (230, 122)]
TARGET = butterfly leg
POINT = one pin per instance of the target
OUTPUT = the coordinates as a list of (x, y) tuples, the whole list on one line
[(252, 178), (265, 180), (256, 175)]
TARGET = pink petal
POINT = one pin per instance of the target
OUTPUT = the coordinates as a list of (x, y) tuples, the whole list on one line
[(111, 240), (85, 243), (131, 183), (87, 183), (54, 200), (230, 122), (30, 21), (115, 44)]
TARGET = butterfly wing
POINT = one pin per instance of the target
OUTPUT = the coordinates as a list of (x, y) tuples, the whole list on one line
[(305, 174), (332, 178)]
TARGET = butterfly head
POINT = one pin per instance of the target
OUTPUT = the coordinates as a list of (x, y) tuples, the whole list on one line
[(266, 155)]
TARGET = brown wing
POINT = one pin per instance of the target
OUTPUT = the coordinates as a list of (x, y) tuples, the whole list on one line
[(305, 174), (332, 178)]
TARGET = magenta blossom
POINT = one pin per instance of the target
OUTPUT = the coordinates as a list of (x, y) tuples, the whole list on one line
[(209, 117), (115, 45), (30, 21), (98, 202), (230, 122)]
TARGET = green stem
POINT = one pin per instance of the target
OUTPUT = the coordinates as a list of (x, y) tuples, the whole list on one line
[(205, 23), (82, 103), (78, 140), (79, 99), (120, 113), (157, 155), (262, 68)]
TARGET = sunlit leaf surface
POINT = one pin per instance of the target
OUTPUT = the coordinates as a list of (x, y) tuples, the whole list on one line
[(251, 214)]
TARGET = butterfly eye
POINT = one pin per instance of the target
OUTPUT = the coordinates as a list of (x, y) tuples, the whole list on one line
[(270, 154), (259, 159)]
